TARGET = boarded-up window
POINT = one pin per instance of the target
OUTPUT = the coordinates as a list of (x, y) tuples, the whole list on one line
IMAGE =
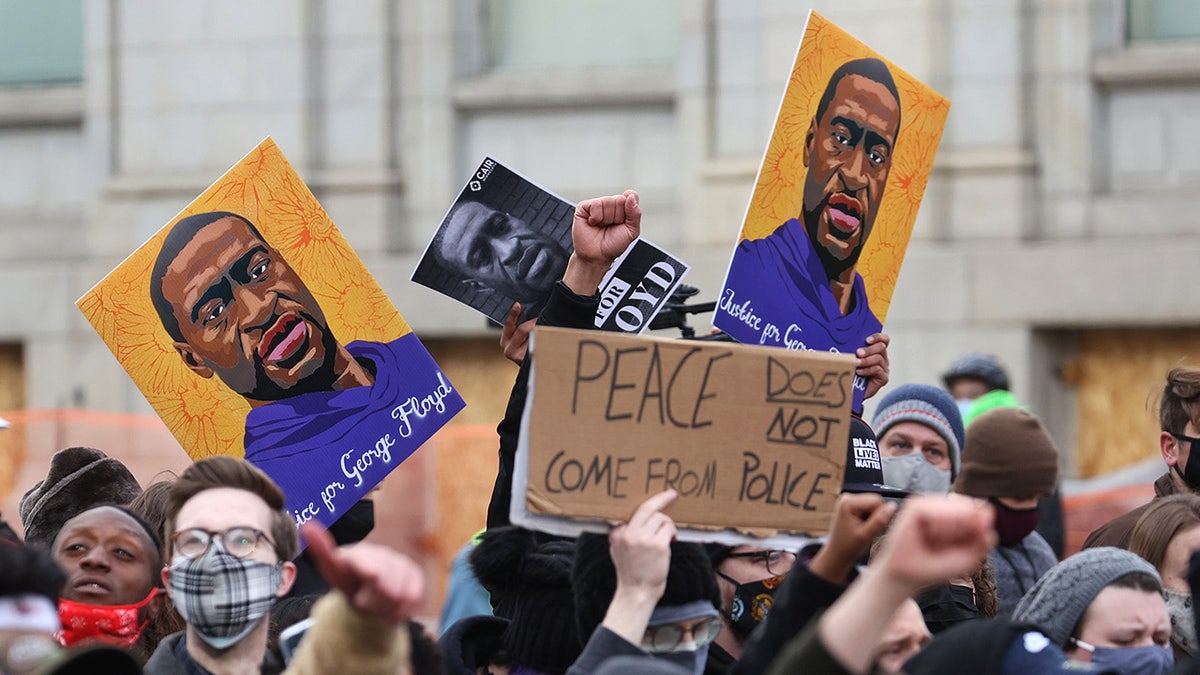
[(1118, 376)]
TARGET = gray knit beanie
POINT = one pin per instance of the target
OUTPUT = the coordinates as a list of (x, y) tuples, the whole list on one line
[(1058, 600), (927, 405)]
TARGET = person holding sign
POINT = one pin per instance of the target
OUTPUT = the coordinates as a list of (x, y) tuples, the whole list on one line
[(805, 271), (601, 230)]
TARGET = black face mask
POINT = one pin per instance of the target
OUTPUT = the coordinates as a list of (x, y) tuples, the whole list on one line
[(946, 606), (1191, 471), (355, 524), (751, 603)]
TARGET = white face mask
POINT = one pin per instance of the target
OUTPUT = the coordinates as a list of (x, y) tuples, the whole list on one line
[(1183, 620), (964, 405)]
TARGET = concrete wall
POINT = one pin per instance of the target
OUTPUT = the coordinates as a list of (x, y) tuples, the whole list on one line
[(1061, 198)]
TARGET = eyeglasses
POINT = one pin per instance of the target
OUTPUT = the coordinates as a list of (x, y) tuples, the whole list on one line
[(777, 562), (668, 636), (238, 542)]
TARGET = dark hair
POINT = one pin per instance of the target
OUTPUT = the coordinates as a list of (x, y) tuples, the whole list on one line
[(181, 234), (870, 68), (427, 656), (1180, 399), (151, 506), (984, 583), (29, 570), (223, 471)]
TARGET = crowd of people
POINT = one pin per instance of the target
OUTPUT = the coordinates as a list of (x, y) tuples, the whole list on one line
[(934, 561)]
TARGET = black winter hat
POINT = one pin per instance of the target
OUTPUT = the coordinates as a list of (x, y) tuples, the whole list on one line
[(79, 478), (528, 576), (594, 578)]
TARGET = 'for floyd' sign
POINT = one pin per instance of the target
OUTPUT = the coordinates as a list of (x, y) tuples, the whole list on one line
[(752, 438)]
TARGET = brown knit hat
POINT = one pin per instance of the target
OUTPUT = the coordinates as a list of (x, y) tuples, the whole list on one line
[(1007, 454)]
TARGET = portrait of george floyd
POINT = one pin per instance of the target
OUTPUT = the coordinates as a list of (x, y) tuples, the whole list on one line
[(504, 240), (254, 330), (835, 200)]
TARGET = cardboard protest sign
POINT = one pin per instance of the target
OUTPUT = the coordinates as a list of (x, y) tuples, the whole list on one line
[(754, 439), (504, 240), (835, 199), (254, 330), (637, 286)]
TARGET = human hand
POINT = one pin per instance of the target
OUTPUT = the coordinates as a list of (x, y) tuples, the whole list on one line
[(857, 520), (936, 538), (872, 364), (641, 548), (602, 229), (380, 583), (514, 339)]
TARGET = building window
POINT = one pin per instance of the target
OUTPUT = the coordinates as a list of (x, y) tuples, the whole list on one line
[(1154, 20), (531, 35), (41, 42)]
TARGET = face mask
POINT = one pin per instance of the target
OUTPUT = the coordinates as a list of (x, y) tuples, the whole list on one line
[(355, 524), (690, 655), (946, 606), (1190, 473), (223, 597), (1013, 525), (119, 625), (751, 602), (1183, 621), (913, 473), (964, 406), (1148, 660)]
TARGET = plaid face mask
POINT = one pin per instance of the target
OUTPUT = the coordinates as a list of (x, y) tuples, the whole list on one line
[(221, 596)]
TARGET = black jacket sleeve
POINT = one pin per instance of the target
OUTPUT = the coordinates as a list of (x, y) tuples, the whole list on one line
[(800, 598), (564, 309)]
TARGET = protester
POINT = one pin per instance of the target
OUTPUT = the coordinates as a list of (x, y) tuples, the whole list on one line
[(230, 547), (978, 383), (1179, 421), (79, 478), (810, 588), (1166, 536), (1105, 606), (528, 576), (29, 587), (920, 438), (112, 562), (1011, 461), (639, 592), (465, 597), (931, 540), (602, 229), (748, 577)]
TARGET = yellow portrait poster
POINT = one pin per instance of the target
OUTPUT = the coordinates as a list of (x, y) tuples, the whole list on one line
[(835, 200), (254, 330)]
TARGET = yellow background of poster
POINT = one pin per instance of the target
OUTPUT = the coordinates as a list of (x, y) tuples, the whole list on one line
[(205, 415), (778, 192)]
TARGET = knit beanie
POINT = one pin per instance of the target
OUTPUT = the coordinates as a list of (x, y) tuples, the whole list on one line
[(926, 405), (1058, 600), (79, 479), (1007, 454), (864, 469), (594, 580), (528, 576)]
